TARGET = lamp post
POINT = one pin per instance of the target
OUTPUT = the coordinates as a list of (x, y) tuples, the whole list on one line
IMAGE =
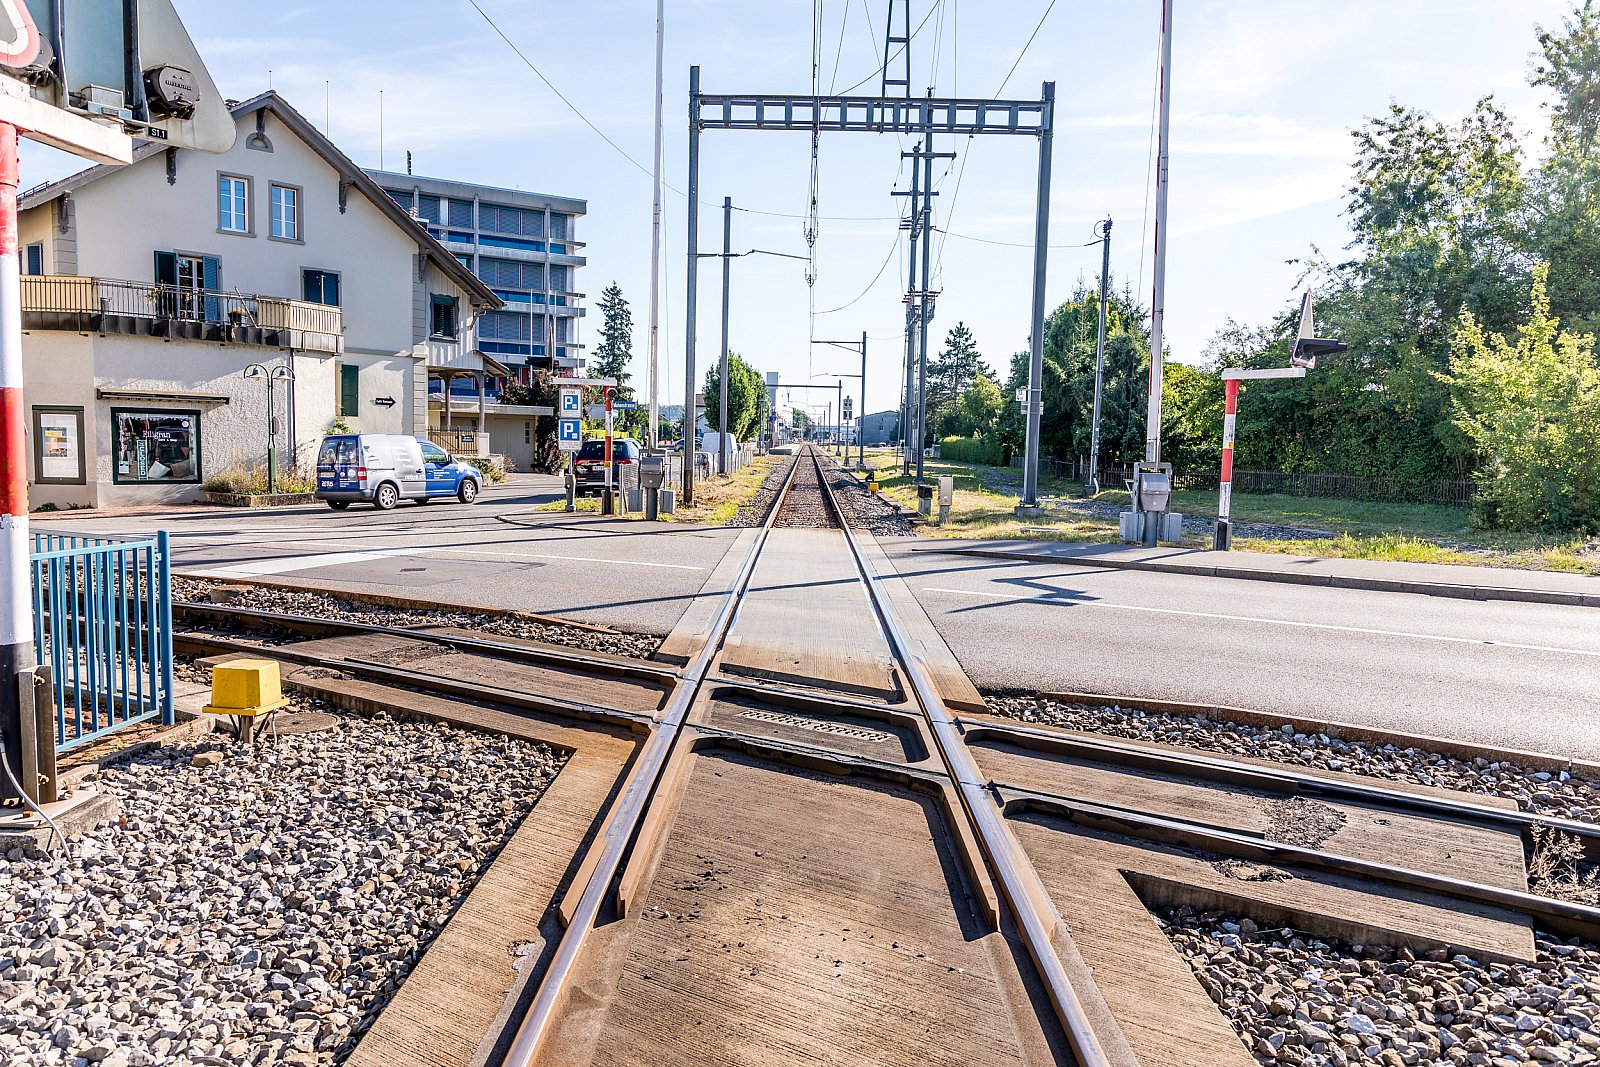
[(258, 371)]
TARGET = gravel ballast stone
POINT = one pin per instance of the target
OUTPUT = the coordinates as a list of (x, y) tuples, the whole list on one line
[(256, 909), (1297, 1000)]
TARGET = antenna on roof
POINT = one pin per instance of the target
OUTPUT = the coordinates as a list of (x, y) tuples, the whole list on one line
[(408, 161)]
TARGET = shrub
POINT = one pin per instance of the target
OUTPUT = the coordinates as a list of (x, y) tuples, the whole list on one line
[(487, 467), (1531, 409), (973, 450)]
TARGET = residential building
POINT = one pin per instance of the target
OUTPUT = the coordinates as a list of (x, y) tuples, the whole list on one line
[(881, 427), (151, 289)]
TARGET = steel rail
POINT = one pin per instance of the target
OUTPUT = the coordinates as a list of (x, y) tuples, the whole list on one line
[(629, 809), (551, 656), (1019, 883), (1285, 779), (414, 680), (1578, 918)]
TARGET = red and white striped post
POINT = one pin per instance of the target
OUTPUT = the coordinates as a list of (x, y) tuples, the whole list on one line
[(1223, 537), (16, 608)]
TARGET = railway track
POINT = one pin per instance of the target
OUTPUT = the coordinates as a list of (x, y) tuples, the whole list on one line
[(810, 856)]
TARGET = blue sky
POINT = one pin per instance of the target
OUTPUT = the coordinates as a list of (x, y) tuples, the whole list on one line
[(1264, 96)]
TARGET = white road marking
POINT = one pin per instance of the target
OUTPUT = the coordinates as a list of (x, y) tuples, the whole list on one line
[(1257, 618), (280, 564), (462, 550)]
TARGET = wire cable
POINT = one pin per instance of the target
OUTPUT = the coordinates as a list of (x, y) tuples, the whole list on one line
[(875, 278), (889, 59), (954, 196)]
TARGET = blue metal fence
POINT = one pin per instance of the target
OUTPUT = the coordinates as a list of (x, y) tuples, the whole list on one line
[(102, 613)]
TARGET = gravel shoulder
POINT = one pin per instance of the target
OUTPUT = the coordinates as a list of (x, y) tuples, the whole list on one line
[(253, 907), (1294, 999)]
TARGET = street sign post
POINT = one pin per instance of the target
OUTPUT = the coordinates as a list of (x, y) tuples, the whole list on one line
[(569, 434)]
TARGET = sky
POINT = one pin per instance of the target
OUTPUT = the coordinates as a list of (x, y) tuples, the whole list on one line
[(1264, 95)]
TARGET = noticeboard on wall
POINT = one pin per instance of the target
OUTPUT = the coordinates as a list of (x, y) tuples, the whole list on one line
[(58, 457)]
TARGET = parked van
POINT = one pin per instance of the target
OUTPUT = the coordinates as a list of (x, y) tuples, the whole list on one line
[(385, 468)]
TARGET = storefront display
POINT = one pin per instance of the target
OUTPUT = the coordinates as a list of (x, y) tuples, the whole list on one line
[(155, 446), (58, 446)]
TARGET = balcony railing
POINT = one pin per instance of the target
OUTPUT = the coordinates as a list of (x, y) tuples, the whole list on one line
[(110, 305)]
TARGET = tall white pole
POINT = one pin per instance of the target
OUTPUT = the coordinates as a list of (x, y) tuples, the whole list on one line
[(655, 244), (1158, 300)]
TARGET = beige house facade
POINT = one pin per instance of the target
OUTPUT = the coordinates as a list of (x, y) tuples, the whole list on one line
[(159, 297)]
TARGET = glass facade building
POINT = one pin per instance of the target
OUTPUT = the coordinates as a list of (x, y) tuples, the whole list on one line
[(523, 246)]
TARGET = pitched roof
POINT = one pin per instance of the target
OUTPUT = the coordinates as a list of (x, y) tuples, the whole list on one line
[(348, 171)]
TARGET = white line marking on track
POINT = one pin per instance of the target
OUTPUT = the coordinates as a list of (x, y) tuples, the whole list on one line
[(1256, 618), (280, 564), (303, 562)]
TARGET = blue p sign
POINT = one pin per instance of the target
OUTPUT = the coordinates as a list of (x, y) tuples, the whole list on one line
[(569, 434)]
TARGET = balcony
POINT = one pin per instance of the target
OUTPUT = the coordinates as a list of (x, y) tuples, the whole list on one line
[(146, 309)]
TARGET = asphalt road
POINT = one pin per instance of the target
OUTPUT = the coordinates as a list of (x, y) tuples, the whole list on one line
[(1492, 672), (497, 553), (1497, 673)]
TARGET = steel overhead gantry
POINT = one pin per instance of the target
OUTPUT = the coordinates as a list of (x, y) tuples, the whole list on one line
[(872, 114), (861, 437)]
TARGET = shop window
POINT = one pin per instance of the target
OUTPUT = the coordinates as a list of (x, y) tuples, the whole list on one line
[(160, 447)]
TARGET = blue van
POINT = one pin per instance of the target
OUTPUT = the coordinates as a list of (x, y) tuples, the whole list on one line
[(384, 468)]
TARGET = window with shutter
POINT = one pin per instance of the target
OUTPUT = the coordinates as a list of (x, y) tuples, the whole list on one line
[(349, 389)]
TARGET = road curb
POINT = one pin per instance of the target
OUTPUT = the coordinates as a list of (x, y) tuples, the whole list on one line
[(1335, 581)]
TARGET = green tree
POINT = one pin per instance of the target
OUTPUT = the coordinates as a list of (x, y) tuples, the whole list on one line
[(949, 374), (1532, 409), (745, 393), (1566, 208), (977, 412), (614, 355)]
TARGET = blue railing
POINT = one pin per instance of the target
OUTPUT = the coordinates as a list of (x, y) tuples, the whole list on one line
[(102, 612)]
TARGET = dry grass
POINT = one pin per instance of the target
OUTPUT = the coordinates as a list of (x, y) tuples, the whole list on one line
[(1558, 867)]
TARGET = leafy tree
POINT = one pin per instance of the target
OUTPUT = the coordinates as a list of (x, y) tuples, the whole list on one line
[(977, 412), (745, 393), (1567, 212), (1531, 408)]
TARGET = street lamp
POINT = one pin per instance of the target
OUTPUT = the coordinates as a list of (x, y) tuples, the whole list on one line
[(258, 372)]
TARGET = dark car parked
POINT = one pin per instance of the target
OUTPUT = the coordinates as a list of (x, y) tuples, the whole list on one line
[(589, 465)]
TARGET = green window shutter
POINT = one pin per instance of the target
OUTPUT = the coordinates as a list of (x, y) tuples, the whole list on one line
[(166, 268), (349, 389)]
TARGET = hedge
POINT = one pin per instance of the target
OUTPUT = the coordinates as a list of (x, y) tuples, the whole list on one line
[(973, 450)]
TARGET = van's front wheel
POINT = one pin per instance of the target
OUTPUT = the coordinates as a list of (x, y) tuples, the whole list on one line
[(468, 491), (386, 497)]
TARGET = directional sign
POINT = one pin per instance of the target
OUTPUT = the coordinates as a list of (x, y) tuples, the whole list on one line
[(596, 411), (19, 37), (624, 405), (571, 402), (569, 434), (383, 401)]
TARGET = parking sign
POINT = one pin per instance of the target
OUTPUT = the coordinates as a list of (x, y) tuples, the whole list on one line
[(569, 434), (571, 403)]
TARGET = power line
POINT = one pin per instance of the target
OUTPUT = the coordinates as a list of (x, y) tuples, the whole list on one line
[(875, 278), (844, 24), (1008, 244), (551, 86), (956, 195), (1025, 47)]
